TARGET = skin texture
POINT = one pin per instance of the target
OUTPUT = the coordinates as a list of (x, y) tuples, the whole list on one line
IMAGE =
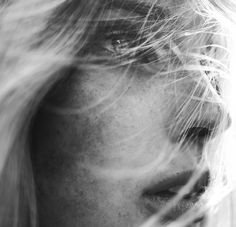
[(99, 126), (130, 134)]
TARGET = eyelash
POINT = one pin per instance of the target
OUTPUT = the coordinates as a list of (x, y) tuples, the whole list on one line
[(118, 43), (121, 45)]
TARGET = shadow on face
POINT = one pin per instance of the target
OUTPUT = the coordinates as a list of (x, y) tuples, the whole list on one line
[(107, 133)]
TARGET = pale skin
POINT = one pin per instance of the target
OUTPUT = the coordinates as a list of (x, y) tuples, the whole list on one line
[(125, 119)]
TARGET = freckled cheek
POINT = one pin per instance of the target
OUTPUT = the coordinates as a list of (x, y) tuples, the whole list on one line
[(129, 133), (136, 111), (121, 120)]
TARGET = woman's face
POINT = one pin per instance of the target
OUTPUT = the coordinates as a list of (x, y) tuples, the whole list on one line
[(107, 144)]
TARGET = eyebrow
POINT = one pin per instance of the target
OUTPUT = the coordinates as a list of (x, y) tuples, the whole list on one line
[(141, 8)]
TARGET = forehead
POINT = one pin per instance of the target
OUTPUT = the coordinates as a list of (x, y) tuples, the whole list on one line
[(155, 8), (148, 2), (132, 8), (162, 3), (145, 3)]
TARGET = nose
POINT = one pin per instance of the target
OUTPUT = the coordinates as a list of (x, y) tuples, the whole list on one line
[(197, 116)]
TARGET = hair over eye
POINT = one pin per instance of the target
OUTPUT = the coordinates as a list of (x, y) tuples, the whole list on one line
[(126, 46), (113, 113), (117, 44)]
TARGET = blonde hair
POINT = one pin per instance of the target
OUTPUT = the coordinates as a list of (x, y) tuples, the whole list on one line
[(40, 37)]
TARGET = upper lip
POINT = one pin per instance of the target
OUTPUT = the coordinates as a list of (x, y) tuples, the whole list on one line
[(178, 180)]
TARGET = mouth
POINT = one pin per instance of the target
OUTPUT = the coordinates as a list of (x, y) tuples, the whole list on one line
[(158, 195)]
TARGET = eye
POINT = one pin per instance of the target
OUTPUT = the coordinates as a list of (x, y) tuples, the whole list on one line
[(117, 44), (128, 46)]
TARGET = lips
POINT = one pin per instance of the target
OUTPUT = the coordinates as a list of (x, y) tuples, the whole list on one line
[(158, 195)]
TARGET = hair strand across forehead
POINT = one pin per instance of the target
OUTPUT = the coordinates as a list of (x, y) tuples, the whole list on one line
[(174, 39)]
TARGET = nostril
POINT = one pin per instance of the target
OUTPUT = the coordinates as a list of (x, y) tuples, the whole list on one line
[(196, 135), (212, 120), (204, 131)]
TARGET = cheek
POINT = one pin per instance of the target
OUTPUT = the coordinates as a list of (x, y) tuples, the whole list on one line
[(116, 115), (62, 145), (130, 129)]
